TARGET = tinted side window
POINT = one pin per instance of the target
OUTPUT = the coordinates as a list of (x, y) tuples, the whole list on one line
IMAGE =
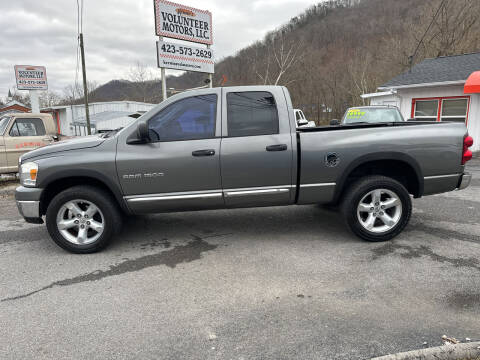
[(251, 113), (27, 127), (187, 119)]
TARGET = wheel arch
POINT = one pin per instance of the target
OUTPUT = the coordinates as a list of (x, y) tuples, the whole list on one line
[(399, 166), (65, 180)]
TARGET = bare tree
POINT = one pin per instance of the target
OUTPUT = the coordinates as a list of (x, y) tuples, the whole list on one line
[(49, 98), (73, 93), (362, 79), (21, 98), (280, 56), (453, 26), (142, 82)]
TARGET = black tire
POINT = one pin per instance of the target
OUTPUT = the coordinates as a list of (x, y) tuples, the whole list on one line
[(359, 190), (112, 218)]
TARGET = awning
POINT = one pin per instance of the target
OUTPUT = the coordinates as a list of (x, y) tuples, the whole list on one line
[(472, 86)]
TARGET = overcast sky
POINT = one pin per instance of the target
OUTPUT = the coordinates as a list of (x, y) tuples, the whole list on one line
[(117, 34)]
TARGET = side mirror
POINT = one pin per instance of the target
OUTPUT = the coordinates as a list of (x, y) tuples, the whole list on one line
[(334, 122), (141, 135), (142, 131), (302, 122)]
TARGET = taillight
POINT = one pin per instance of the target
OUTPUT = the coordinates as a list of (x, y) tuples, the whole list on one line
[(467, 154)]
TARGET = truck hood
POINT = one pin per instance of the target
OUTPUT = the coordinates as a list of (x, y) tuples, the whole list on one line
[(65, 145)]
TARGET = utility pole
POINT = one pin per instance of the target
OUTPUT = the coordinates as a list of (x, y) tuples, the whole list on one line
[(85, 90)]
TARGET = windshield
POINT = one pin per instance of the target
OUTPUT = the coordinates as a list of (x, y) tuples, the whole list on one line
[(3, 123), (371, 115)]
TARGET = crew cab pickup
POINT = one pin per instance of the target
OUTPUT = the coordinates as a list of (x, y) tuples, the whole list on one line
[(238, 147), (23, 132)]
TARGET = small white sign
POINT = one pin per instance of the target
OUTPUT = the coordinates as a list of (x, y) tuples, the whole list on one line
[(31, 77), (183, 22), (185, 57)]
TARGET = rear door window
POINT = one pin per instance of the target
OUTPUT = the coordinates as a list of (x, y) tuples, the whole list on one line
[(251, 113), (28, 127)]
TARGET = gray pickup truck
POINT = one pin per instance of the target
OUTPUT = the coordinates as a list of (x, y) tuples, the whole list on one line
[(238, 147)]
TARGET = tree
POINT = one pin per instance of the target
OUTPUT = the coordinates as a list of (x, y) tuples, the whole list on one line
[(21, 98), (49, 98), (142, 82), (452, 27), (280, 56), (73, 93)]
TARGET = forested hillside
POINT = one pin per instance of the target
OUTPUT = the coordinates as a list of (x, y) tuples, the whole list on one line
[(335, 51)]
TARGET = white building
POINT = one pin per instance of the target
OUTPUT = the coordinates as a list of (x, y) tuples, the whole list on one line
[(440, 89), (110, 115)]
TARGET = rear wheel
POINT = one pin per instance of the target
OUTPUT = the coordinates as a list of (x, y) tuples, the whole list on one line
[(82, 219), (377, 208)]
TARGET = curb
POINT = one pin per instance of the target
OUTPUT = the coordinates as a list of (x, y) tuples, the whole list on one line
[(462, 351)]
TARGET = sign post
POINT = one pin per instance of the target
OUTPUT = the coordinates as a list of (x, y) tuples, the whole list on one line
[(164, 80), (33, 79), (188, 24), (34, 101)]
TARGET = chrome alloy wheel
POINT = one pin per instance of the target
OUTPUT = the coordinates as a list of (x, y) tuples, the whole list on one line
[(379, 210), (80, 222)]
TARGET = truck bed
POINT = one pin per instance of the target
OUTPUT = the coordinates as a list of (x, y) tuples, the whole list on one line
[(326, 155)]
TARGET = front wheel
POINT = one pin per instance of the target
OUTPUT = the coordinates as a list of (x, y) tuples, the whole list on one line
[(82, 219), (377, 208)]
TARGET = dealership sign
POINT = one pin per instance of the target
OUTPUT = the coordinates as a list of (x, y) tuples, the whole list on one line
[(183, 22), (184, 57), (31, 77)]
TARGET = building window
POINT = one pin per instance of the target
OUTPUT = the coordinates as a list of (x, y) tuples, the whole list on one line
[(454, 110), (441, 109), (426, 110)]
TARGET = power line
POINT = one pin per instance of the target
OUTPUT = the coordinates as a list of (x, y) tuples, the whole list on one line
[(410, 60)]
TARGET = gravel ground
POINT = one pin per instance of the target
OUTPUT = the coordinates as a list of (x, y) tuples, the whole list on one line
[(269, 283)]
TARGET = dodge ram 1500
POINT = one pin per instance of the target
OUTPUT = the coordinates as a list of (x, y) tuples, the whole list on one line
[(238, 147)]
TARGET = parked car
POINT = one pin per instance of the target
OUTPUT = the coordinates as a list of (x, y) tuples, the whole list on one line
[(238, 147), (23, 132), (371, 114), (302, 120)]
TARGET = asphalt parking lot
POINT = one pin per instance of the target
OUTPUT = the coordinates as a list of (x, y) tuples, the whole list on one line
[(270, 283)]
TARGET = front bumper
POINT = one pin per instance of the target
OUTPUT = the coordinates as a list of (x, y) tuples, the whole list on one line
[(464, 181), (29, 209), (28, 203)]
